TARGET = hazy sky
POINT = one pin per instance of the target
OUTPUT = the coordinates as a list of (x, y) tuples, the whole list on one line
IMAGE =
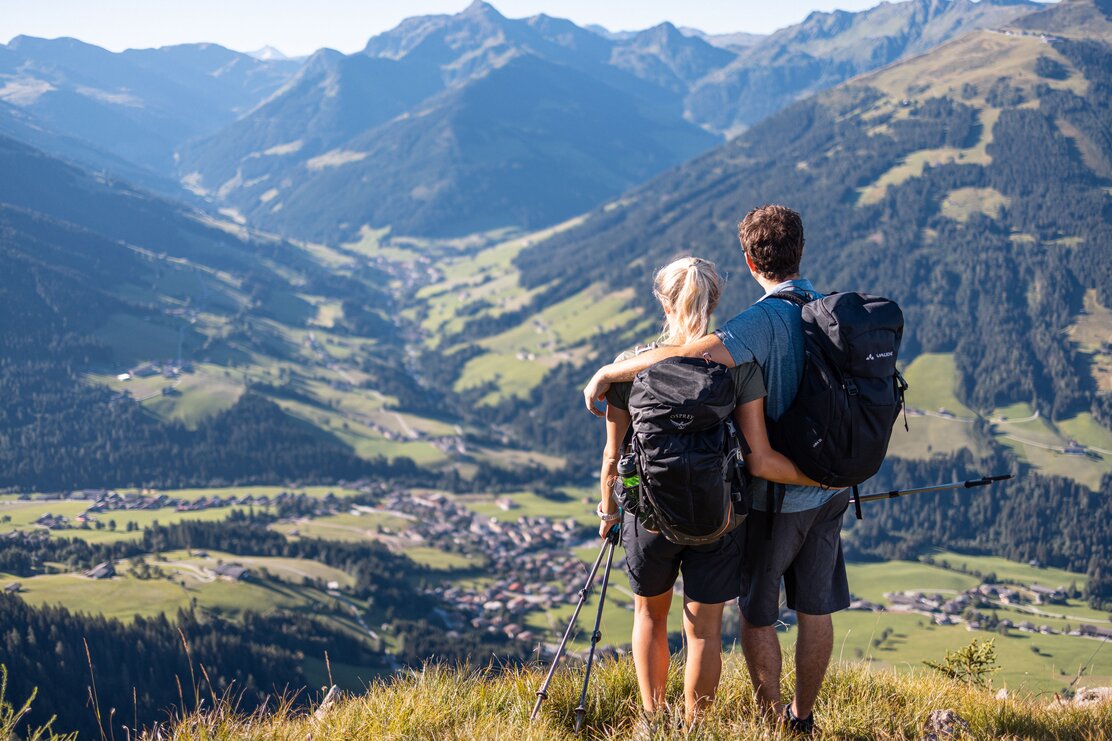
[(302, 26)]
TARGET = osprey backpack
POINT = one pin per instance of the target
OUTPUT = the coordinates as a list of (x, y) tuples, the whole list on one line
[(838, 427), (686, 450)]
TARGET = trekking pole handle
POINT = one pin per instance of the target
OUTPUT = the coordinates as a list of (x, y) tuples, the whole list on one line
[(986, 480)]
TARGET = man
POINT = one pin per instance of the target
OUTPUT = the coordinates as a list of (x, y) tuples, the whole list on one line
[(803, 544)]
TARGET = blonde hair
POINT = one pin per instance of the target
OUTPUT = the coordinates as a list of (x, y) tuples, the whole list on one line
[(688, 289)]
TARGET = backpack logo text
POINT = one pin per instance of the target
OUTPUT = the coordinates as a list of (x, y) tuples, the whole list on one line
[(681, 421)]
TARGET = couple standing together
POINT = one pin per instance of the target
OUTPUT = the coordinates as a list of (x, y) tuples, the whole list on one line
[(764, 348)]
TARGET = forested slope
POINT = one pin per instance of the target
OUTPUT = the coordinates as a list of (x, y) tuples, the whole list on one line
[(79, 254)]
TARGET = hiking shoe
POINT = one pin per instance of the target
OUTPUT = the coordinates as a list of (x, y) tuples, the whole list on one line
[(649, 726), (797, 725)]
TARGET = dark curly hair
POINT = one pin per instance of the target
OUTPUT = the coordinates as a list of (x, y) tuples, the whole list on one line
[(772, 237)]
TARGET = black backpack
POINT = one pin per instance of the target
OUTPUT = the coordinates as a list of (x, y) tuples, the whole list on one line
[(838, 427), (686, 451)]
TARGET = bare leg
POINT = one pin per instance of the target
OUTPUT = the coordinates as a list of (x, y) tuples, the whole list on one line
[(812, 656), (702, 623), (762, 656), (650, 647)]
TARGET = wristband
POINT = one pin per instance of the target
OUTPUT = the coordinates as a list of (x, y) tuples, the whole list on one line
[(608, 516)]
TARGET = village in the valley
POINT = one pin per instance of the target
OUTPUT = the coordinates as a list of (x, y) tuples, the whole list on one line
[(527, 563)]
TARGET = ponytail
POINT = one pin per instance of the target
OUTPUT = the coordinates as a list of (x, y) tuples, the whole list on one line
[(688, 289)]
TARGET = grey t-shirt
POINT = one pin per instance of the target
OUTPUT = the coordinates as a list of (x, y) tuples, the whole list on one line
[(748, 383), (770, 334)]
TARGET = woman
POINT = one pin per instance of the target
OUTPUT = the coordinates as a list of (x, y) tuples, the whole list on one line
[(688, 291)]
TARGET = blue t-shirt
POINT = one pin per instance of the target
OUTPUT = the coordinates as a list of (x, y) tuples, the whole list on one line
[(770, 334)]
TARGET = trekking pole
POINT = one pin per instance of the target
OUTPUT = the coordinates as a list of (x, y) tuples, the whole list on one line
[(970, 484), (542, 693), (596, 636)]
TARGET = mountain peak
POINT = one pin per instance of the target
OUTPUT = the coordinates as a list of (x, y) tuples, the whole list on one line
[(480, 8), (665, 30), (268, 54)]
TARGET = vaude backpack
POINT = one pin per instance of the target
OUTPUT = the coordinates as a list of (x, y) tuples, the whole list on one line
[(838, 427), (686, 450)]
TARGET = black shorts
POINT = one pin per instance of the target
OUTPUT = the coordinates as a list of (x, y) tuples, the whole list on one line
[(805, 551), (711, 573)]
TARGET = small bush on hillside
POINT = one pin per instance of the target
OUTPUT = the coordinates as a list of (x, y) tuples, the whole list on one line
[(973, 665)]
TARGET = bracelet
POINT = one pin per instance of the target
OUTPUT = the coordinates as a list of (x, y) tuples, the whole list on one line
[(608, 516)]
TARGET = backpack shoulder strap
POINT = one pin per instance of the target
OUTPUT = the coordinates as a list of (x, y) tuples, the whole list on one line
[(774, 502), (628, 441), (791, 297)]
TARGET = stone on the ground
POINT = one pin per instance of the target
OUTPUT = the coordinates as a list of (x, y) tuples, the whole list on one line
[(942, 725), (1093, 696)]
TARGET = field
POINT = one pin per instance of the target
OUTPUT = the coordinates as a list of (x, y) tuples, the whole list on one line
[(932, 377), (22, 513), (914, 164), (487, 276), (941, 424), (963, 203), (517, 359), (914, 638), (910, 637), (194, 567), (1092, 331), (300, 349), (871, 580), (1010, 571), (530, 504), (1031, 662), (1043, 444), (485, 283)]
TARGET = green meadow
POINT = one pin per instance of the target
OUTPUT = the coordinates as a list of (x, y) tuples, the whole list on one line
[(530, 504), (946, 425), (1030, 663)]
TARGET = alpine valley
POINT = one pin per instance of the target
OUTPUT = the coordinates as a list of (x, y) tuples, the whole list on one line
[(291, 350)]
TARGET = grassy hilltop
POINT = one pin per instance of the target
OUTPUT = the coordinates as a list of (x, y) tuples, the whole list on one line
[(444, 703)]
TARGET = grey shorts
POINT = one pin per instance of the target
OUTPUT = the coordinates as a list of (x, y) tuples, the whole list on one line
[(805, 551), (711, 573)]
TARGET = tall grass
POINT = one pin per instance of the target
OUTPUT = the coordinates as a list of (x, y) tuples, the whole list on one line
[(444, 703), (12, 725)]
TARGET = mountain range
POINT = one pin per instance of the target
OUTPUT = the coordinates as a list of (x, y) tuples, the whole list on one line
[(140, 105), (450, 124), (829, 48), (456, 124), (444, 125)]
